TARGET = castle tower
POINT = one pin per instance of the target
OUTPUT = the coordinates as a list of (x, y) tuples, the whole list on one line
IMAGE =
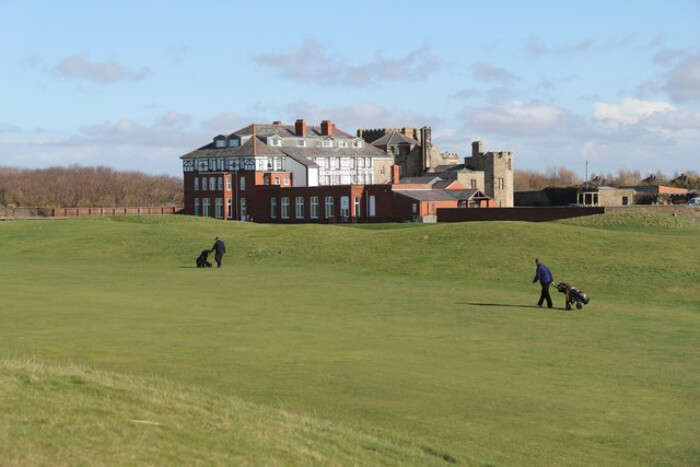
[(498, 173)]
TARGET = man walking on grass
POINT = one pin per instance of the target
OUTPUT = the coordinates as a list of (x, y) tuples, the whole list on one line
[(544, 275), (219, 248)]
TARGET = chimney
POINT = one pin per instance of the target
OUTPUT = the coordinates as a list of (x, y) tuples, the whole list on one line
[(395, 174), (477, 148), (426, 144), (327, 128), (300, 127), (277, 123)]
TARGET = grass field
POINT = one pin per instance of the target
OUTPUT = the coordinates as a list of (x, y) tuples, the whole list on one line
[(386, 344)]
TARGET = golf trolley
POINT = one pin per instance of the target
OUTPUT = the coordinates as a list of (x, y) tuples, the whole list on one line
[(573, 295)]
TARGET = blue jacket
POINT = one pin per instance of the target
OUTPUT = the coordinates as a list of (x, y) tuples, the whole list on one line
[(543, 274), (219, 247)]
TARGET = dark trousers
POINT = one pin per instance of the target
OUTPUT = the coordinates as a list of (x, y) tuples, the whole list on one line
[(218, 257), (545, 295)]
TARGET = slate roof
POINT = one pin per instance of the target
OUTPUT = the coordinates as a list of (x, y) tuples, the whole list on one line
[(301, 154), (393, 137), (422, 180), (288, 131), (466, 194), (427, 195)]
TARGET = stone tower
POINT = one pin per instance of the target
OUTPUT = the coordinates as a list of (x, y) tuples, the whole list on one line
[(498, 173)]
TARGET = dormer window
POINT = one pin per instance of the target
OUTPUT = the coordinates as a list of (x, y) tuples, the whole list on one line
[(327, 143), (220, 143), (357, 144), (275, 141), (233, 142), (301, 143), (342, 144)]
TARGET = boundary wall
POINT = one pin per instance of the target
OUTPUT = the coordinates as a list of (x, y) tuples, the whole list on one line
[(514, 214)]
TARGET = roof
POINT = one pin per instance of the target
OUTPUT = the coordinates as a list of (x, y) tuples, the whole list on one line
[(393, 137), (444, 183), (466, 194), (263, 131), (422, 180), (288, 131), (427, 195)]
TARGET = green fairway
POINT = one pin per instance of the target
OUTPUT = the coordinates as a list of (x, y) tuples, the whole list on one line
[(349, 344)]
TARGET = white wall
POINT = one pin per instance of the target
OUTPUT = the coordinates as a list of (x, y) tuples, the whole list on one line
[(313, 176), (298, 171)]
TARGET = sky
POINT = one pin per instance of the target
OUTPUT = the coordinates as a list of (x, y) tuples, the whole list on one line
[(134, 85)]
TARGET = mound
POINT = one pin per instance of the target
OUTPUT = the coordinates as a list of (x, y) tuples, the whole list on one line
[(70, 415)]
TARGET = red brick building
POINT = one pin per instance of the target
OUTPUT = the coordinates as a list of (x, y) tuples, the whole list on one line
[(291, 179)]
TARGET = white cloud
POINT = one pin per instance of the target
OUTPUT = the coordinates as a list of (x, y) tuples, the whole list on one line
[(516, 117), (313, 62), (493, 74), (77, 66), (683, 80), (629, 111), (535, 48)]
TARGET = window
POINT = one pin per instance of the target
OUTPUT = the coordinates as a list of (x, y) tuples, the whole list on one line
[(273, 208), (510, 164), (220, 143), (357, 206), (244, 213), (277, 181), (414, 208), (204, 184), (205, 207), (301, 143), (372, 206), (229, 208), (328, 144), (285, 208), (196, 183), (336, 162), (233, 142), (299, 211), (357, 144), (275, 142), (329, 207), (242, 184), (344, 206), (212, 164), (473, 183), (220, 183), (595, 199), (342, 144), (286, 180), (196, 206), (314, 207), (219, 164), (625, 200), (228, 183), (212, 183), (219, 208), (499, 183)]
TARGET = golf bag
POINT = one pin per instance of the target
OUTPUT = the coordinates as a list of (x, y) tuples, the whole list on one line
[(574, 296), (202, 259)]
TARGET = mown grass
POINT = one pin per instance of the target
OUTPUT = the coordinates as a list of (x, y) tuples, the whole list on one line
[(425, 333)]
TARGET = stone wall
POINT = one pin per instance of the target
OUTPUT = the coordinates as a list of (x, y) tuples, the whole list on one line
[(498, 173)]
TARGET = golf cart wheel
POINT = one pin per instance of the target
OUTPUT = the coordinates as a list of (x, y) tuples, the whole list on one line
[(579, 306)]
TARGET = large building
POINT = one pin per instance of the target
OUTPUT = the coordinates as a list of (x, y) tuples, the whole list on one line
[(415, 154), (299, 173)]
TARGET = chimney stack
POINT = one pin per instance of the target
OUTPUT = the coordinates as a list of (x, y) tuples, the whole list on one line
[(395, 174), (277, 123), (300, 127), (327, 128)]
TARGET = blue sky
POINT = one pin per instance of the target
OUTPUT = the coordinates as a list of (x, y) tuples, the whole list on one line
[(136, 84)]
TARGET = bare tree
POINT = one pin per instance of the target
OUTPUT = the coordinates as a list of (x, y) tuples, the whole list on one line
[(77, 186)]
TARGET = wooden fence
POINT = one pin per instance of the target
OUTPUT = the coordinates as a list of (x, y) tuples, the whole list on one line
[(28, 213)]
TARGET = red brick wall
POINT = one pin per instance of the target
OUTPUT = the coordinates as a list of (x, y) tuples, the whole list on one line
[(514, 214)]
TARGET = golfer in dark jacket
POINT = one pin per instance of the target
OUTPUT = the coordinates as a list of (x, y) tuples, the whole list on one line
[(219, 248), (544, 275)]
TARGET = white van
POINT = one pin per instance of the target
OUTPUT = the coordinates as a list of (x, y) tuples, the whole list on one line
[(694, 201)]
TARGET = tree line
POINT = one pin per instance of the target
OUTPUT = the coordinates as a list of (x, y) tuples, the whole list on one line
[(524, 180), (77, 186)]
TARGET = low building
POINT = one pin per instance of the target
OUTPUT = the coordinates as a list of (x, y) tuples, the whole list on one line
[(592, 195)]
